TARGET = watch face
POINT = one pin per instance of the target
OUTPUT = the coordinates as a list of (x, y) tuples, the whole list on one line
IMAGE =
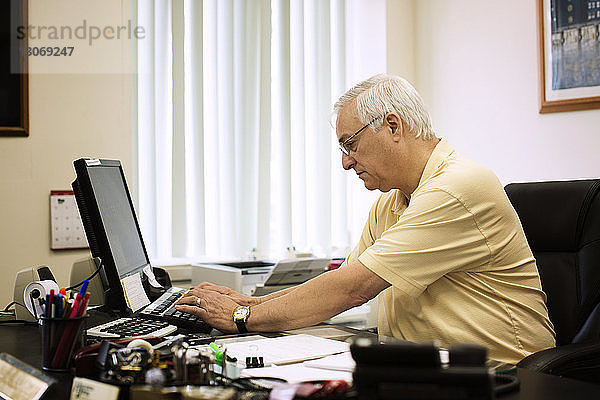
[(241, 313)]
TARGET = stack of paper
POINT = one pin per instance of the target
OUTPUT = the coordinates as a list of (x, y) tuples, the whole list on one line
[(338, 362), (296, 373), (287, 349), (324, 359)]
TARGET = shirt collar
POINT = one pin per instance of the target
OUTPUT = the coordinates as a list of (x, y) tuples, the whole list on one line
[(438, 156)]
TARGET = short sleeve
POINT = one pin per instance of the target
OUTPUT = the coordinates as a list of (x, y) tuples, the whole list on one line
[(435, 236)]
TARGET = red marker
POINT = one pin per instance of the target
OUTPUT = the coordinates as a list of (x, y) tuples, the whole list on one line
[(75, 308), (83, 304), (50, 302)]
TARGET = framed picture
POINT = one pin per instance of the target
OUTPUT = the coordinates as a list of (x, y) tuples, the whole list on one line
[(569, 48), (14, 80)]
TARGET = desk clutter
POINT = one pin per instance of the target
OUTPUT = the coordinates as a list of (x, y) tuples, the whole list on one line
[(199, 367), (287, 367), (296, 365)]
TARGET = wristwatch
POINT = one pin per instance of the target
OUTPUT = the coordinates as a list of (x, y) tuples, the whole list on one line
[(240, 316)]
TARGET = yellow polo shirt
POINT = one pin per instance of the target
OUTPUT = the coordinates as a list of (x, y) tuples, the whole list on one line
[(459, 264)]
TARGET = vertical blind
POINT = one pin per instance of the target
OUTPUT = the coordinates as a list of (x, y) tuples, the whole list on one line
[(234, 147)]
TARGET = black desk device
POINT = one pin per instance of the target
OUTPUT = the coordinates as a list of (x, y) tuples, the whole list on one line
[(415, 371)]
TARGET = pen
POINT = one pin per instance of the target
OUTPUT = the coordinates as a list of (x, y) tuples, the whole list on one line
[(67, 310), (59, 306), (83, 304), (65, 304), (84, 287), (46, 306), (75, 306), (49, 305), (46, 327)]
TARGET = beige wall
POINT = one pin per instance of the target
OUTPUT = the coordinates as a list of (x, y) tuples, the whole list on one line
[(400, 40), (476, 67), (71, 116)]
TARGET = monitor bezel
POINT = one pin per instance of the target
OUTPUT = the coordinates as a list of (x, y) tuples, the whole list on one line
[(95, 230)]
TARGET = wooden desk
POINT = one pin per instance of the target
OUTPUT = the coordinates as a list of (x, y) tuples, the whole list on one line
[(24, 342)]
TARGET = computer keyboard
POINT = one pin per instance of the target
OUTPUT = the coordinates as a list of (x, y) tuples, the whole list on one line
[(132, 327), (162, 309)]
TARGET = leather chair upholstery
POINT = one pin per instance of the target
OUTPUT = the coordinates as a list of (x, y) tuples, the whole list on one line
[(561, 221)]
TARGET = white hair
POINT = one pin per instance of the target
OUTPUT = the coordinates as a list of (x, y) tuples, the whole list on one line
[(382, 94)]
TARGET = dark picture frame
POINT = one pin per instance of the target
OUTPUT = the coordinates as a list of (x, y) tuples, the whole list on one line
[(14, 78), (561, 21)]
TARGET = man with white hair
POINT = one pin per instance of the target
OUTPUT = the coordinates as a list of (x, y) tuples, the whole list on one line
[(442, 246)]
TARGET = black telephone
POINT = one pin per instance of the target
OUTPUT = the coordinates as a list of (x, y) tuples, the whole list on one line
[(406, 370)]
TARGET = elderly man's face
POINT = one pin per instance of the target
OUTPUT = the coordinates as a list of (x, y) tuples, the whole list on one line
[(369, 151)]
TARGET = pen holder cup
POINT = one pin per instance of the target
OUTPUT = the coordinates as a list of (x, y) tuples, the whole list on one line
[(60, 338)]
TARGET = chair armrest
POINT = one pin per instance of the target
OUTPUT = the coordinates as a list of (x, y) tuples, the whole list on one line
[(579, 361)]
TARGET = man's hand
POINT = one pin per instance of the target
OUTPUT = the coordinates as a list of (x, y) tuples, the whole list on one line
[(213, 307), (239, 298)]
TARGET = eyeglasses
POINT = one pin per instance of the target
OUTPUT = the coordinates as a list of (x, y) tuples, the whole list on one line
[(344, 145)]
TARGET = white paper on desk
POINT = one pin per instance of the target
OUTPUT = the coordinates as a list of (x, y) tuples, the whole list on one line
[(336, 362), (240, 339), (296, 373), (287, 349), (135, 295), (18, 384)]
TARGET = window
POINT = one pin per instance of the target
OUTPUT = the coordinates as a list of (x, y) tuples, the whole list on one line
[(234, 147)]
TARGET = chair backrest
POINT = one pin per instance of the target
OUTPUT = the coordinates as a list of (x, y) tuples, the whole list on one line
[(561, 221)]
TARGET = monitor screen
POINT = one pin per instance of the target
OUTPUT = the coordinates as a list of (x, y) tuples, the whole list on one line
[(118, 219)]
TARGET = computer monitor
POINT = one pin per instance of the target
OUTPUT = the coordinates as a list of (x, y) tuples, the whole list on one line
[(110, 223)]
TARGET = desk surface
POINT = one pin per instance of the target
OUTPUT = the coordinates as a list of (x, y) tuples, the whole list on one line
[(24, 342)]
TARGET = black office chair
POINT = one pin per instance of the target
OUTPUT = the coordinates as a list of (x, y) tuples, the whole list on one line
[(562, 224)]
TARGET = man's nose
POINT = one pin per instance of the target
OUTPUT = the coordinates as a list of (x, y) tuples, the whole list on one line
[(347, 162)]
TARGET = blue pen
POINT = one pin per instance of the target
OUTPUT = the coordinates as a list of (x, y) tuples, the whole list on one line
[(46, 308), (59, 305), (84, 287)]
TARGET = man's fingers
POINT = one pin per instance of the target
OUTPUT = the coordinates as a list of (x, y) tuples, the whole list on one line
[(191, 300), (214, 288), (208, 291), (185, 299), (194, 292), (192, 310)]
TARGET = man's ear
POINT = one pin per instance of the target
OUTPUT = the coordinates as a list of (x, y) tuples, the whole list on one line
[(394, 123)]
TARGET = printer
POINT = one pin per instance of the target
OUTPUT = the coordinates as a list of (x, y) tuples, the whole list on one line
[(259, 277), (292, 272)]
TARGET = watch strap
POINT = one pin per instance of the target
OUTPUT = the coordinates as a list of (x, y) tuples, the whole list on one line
[(241, 325), (241, 322)]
